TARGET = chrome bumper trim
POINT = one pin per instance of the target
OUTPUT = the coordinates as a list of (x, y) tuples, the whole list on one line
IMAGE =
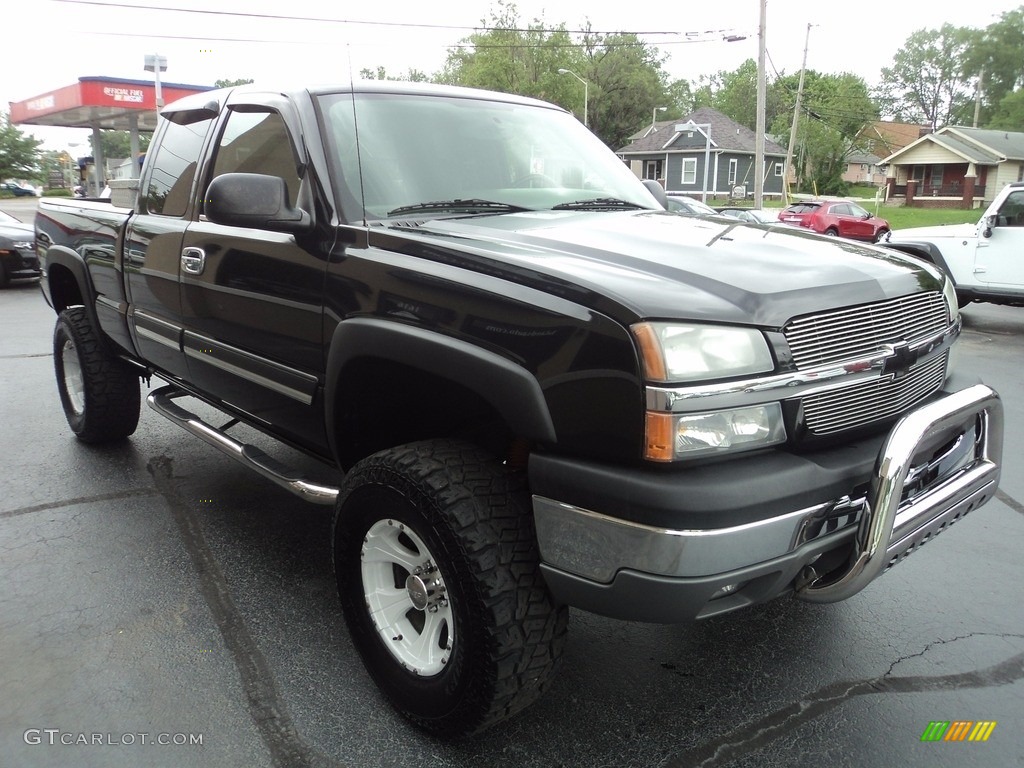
[(596, 546), (890, 530)]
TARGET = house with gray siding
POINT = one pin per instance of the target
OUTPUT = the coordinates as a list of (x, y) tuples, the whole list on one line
[(705, 154)]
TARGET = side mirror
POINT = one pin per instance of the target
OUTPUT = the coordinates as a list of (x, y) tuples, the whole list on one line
[(254, 200), (989, 222), (657, 191)]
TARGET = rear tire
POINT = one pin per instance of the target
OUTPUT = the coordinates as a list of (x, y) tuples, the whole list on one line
[(437, 568), (99, 393), (831, 232)]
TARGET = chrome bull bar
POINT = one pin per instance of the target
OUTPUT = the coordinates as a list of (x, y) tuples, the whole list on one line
[(892, 527)]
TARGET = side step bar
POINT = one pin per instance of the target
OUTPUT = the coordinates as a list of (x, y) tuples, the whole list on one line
[(162, 401)]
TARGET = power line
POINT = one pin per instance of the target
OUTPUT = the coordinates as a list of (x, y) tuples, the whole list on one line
[(326, 20)]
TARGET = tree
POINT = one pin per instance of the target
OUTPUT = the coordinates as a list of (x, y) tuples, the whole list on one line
[(511, 58), (411, 75), (927, 78), (835, 108), (1009, 114), (116, 145), (231, 83), (626, 82), (19, 154), (996, 57), (622, 76)]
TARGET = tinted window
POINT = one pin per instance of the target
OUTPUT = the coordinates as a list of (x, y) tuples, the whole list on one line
[(174, 168), (257, 142)]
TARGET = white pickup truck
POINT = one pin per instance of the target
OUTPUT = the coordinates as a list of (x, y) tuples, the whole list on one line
[(984, 260)]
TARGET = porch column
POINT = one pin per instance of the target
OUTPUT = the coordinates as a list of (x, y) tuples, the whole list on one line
[(911, 192), (967, 202)]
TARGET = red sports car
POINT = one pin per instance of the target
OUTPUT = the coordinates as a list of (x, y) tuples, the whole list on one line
[(838, 218)]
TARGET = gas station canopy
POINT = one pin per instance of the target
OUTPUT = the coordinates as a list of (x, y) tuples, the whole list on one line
[(100, 103)]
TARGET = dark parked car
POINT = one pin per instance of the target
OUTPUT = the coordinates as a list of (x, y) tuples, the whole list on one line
[(685, 204), (837, 218), (754, 215), (18, 258), (17, 190)]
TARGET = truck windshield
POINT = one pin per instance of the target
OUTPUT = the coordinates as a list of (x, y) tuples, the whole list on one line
[(426, 155)]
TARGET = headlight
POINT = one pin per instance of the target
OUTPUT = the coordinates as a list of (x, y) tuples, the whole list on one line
[(949, 292), (685, 435), (676, 352)]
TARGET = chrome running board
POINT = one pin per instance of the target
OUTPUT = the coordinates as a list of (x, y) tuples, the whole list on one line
[(162, 401)]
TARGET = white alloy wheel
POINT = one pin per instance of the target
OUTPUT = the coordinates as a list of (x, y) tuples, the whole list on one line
[(407, 598), (74, 382)]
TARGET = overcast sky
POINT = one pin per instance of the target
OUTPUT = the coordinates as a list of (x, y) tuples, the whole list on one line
[(305, 41)]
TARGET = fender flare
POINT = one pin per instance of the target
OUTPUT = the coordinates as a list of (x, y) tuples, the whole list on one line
[(922, 249), (71, 260), (512, 390)]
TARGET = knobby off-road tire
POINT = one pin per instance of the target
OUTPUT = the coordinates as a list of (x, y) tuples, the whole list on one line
[(437, 567), (99, 393)]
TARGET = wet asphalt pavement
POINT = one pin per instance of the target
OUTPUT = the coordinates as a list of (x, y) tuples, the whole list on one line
[(161, 605)]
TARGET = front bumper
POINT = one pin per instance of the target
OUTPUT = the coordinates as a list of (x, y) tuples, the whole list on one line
[(936, 464)]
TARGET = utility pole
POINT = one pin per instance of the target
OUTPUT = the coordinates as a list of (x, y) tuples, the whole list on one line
[(796, 119), (761, 88), (977, 96)]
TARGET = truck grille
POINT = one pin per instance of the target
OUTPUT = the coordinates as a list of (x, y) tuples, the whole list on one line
[(847, 334), (854, 406)]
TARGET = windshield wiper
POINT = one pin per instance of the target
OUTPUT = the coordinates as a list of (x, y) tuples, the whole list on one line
[(471, 205), (595, 204)]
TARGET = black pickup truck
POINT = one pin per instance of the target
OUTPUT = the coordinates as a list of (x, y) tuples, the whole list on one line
[(543, 389)]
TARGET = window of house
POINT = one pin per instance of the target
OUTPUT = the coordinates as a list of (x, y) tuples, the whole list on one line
[(778, 169), (689, 170), (733, 165), (169, 185)]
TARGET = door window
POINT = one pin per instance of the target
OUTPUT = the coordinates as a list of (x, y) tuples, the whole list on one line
[(167, 190), (257, 142)]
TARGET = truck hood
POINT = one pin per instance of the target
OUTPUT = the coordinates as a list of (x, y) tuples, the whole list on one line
[(649, 264), (944, 231)]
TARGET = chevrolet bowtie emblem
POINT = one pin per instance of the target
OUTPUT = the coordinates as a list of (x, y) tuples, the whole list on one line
[(898, 365)]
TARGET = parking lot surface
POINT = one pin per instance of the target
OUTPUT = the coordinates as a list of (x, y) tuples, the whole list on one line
[(163, 606)]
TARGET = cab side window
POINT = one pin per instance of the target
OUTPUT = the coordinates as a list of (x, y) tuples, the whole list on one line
[(1012, 210), (257, 142), (167, 190)]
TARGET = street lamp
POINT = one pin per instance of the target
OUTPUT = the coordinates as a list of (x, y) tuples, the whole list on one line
[(654, 115), (156, 65), (585, 90)]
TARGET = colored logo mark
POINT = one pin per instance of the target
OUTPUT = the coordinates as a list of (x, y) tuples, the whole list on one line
[(958, 730)]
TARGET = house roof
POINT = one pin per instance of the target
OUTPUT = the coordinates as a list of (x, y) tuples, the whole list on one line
[(865, 158), (972, 145), (725, 134), (1008, 144), (893, 136)]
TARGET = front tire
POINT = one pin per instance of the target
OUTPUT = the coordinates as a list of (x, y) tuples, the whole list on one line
[(99, 393), (437, 569)]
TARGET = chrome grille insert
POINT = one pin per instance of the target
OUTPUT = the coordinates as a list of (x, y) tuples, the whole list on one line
[(846, 334), (831, 412)]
